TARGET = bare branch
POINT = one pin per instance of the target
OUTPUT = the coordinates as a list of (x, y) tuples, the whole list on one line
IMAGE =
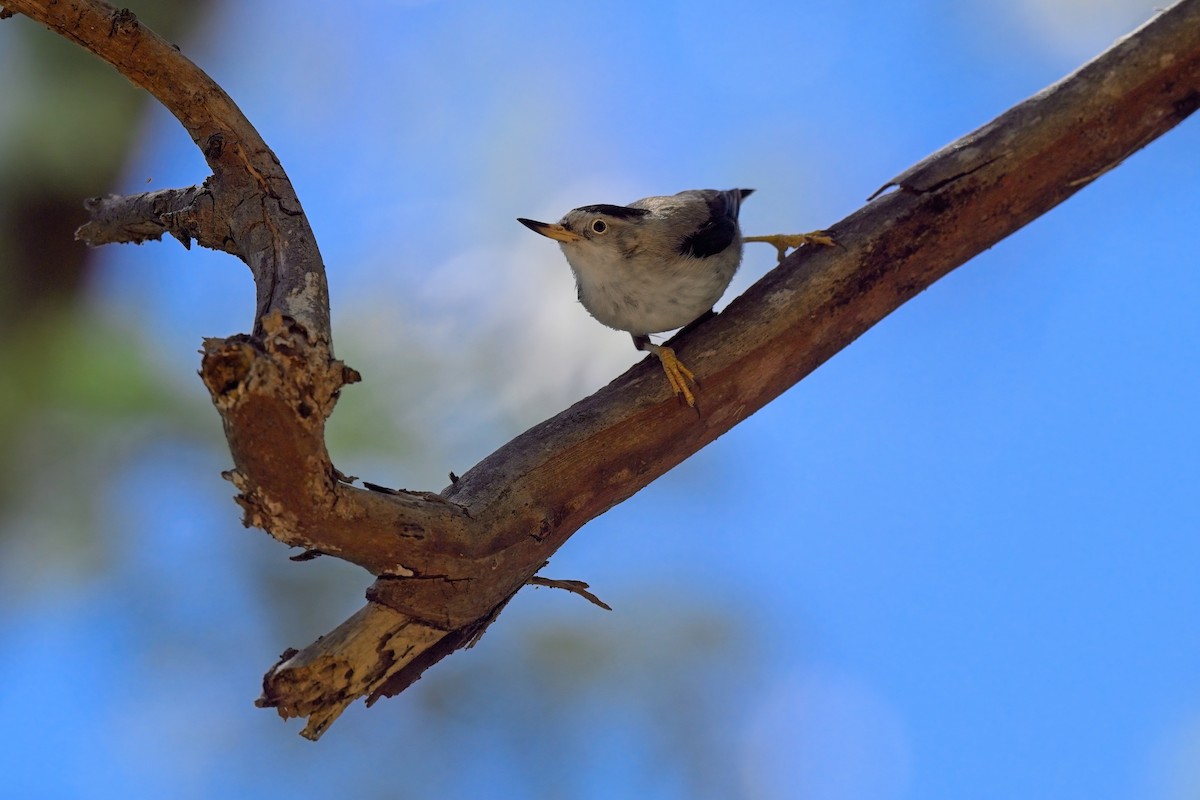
[(253, 196), (274, 392), (185, 214), (447, 564), (575, 587), (374, 636), (962, 200)]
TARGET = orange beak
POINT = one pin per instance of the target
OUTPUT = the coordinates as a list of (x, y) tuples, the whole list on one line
[(554, 231)]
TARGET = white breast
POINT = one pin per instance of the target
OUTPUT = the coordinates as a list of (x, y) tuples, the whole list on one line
[(643, 295)]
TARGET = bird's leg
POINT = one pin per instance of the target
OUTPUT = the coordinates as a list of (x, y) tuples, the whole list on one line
[(782, 241), (677, 374)]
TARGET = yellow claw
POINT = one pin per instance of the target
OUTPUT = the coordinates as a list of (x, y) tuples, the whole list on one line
[(678, 375), (782, 241)]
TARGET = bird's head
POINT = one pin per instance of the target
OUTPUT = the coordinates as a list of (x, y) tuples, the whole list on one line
[(598, 227)]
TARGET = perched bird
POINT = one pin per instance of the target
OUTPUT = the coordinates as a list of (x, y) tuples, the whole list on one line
[(658, 264)]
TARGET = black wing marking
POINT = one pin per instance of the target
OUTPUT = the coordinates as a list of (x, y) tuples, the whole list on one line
[(717, 232)]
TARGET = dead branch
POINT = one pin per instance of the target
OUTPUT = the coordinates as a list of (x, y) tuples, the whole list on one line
[(185, 214), (447, 563)]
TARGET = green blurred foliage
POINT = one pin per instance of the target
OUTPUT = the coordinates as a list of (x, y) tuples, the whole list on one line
[(78, 385), (83, 399)]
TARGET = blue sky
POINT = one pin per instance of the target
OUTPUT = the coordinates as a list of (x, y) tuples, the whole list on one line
[(962, 551)]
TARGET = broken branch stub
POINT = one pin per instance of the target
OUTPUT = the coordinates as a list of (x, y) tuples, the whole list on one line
[(447, 563)]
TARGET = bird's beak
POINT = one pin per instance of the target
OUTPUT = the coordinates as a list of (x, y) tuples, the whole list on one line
[(556, 232)]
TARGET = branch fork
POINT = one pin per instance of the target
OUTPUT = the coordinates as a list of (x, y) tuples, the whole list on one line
[(446, 563)]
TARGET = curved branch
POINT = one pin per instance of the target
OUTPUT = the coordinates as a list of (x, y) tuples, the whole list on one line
[(447, 564), (960, 201), (253, 196)]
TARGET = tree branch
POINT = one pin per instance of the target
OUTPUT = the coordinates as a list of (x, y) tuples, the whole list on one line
[(447, 563), (253, 196), (185, 214)]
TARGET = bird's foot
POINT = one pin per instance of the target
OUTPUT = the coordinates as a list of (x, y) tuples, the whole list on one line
[(678, 375), (782, 241)]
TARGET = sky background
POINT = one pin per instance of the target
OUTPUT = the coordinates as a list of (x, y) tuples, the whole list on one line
[(958, 560)]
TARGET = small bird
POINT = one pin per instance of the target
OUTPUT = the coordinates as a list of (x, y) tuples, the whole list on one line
[(659, 263)]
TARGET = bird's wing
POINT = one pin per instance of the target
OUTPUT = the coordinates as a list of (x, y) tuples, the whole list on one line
[(717, 231)]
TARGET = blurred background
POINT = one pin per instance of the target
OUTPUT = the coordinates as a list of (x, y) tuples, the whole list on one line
[(957, 560)]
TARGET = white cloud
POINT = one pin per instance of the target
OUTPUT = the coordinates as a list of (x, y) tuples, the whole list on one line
[(1079, 29)]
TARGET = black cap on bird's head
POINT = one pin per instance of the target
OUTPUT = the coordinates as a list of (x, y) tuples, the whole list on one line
[(714, 232), (587, 220)]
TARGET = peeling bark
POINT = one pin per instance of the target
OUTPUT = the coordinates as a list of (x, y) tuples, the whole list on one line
[(446, 563)]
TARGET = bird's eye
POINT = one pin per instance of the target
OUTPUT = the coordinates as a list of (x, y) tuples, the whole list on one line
[(599, 226)]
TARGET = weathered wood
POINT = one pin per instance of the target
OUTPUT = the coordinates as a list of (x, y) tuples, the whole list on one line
[(447, 563)]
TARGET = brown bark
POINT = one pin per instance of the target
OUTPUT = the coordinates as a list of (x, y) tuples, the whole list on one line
[(446, 563)]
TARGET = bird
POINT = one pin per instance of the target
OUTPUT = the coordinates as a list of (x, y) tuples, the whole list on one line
[(659, 263)]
